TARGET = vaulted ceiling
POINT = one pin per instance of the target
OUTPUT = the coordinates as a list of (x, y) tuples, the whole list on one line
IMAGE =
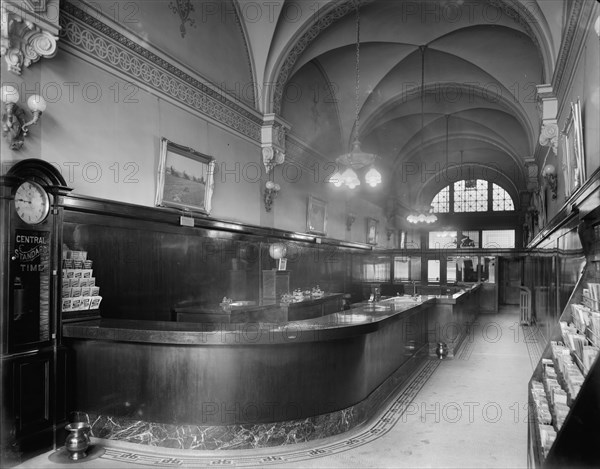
[(479, 61)]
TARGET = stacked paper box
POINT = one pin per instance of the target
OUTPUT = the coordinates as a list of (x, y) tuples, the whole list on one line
[(79, 290)]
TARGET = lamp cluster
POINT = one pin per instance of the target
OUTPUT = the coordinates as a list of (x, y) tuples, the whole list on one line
[(14, 124), (356, 159), (271, 191), (422, 217), (549, 174)]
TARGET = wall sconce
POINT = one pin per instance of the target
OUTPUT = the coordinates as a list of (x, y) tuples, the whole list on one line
[(549, 174), (271, 191), (14, 124), (350, 219)]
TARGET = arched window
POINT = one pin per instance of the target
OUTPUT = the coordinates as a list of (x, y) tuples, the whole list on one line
[(472, 195)]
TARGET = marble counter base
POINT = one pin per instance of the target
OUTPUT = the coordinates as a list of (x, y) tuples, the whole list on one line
[(231, 437)]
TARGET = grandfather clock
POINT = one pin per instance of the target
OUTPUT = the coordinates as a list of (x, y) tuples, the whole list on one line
[(33, 362)]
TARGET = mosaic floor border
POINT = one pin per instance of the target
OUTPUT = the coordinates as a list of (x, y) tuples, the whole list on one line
[(361, 436)]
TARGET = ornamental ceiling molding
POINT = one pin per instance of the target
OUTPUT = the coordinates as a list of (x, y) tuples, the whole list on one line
[(325, 20), (519, 14), (251, 99), (411, 156), (118, 53), (503, 98), (580, 21), (29, 31)]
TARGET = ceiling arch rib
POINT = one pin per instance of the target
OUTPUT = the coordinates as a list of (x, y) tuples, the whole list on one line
[(471, 96), (457, 139), (477, 147), (530, 18), (394, 135)]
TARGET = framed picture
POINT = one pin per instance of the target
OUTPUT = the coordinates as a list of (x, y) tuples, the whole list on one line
[(573, 163), (372, 230), (185, 178), (316, 216)]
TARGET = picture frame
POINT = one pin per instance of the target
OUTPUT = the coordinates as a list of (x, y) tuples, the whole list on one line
[(316, 216), (185, 178), (573, 161), (372, 225)]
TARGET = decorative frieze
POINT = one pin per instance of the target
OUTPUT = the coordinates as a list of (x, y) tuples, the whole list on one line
[(90, 36), (29, 31)]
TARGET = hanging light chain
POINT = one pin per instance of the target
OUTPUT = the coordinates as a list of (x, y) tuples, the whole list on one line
[(357, 88), (423, 48)]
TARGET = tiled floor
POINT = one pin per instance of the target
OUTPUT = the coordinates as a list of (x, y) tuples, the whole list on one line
[(466, 412)]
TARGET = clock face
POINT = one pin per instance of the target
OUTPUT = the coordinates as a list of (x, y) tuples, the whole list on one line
[(32, 203)]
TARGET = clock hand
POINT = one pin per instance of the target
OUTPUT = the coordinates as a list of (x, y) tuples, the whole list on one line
[(23, 200)]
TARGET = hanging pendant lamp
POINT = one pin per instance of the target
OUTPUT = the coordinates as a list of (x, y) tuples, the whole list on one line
[(428, 216), (356, 158)]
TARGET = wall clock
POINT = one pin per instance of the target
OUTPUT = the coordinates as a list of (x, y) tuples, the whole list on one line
[(32, 203)]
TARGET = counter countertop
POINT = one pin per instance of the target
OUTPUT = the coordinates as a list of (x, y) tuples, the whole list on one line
[(360, 319)]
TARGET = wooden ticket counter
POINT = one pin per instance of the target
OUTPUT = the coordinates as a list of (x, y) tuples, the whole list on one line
[(226, 374)]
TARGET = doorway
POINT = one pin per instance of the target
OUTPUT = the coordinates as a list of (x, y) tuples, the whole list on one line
[(509, 273)]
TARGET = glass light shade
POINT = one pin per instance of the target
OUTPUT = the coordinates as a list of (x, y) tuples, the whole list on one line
[(421, 218), (549, 170), (277, 250), (336, 179), (36, 103), (350, 178), (373, 177), (9, 94)]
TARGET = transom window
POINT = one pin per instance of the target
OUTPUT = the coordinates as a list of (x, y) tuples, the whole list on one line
[(472, 195)]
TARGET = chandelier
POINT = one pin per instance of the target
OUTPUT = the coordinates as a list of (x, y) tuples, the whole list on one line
[(422, 217), (356, 158)]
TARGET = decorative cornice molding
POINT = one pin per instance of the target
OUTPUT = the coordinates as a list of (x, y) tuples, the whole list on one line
[(93, 38), (580, 19), (29, 31)]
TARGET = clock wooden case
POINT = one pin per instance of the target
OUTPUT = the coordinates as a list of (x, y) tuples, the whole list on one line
[(33, 362)]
